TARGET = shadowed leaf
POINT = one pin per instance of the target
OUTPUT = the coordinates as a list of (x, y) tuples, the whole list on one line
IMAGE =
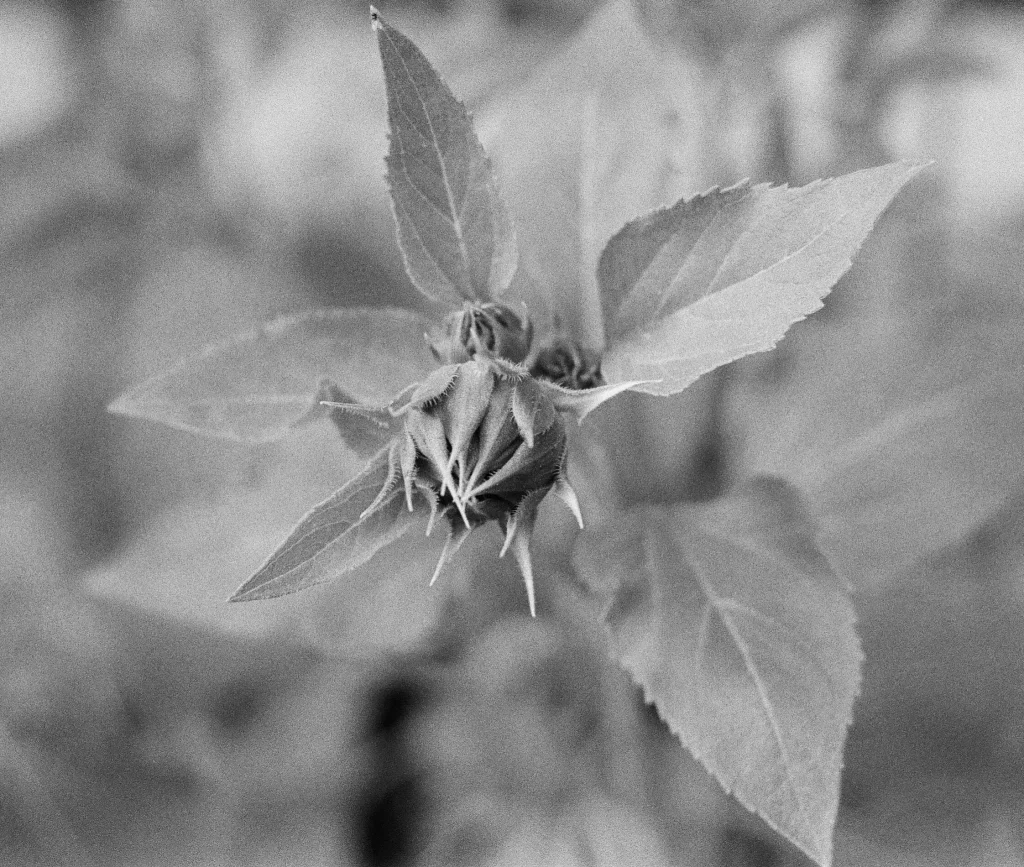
[(456, 237), (259, 386), (730, 619), (725, 274)]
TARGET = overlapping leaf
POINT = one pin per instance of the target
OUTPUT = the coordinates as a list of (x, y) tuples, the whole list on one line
[(336, 536), (737, 630), (456, 237), (597, 137), (259, 386), (725, 274)]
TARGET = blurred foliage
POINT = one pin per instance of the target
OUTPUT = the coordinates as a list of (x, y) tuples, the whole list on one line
[(172, 174)]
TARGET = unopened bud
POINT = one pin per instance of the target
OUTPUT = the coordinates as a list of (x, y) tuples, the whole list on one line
[(566, 363), (489, 330), (484, 443)]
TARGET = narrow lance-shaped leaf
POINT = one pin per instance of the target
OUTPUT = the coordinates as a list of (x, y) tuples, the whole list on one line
[(732, 622), (259, 386), (336, 536), (722, 275), (456, 237)]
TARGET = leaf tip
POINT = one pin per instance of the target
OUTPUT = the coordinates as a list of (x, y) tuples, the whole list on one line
[(375, 21), (119, 405)]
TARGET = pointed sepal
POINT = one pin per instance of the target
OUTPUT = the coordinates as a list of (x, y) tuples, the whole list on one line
[(432, 388), (518, 534), (582, 403), (457, 534), (564, 491), (466, 407), (532, 409)]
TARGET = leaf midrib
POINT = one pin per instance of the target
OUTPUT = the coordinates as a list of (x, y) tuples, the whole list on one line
[(455, 211), (713, 601)]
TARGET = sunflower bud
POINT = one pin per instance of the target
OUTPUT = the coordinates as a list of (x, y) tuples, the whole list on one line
[(487, 330), (568, 364), (484, 443)]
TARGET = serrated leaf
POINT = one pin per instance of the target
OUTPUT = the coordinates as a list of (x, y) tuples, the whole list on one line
[(595, 138), (259, 386), (456, 237), (725, 274), (732, 622), (336, 536)]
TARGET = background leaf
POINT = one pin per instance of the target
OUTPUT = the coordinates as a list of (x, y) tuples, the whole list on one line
[(335, 537), (735, 270), (259, 386), (734, 625), (456, 237), (595, 138), (905, 434)]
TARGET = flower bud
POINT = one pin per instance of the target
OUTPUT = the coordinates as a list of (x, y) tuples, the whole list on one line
[(484, 443), (489, 330), (566, 363)]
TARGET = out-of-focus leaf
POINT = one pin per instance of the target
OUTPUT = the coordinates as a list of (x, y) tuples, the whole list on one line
[(198, 552), (591, 141), (336, 536), (457, 239), (261, 385), (736, 628), (594, 833), (904, 439), (725, 274)]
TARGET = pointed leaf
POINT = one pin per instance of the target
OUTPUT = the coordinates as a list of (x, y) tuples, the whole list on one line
[(259, 386), (732, 622), (436, 384), (336, 536), (595, 138), (456, 237), (742, 265)]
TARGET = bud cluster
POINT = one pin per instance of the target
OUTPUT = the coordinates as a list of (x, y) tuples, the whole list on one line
[(564, 362), (488, 330), (482, 441)]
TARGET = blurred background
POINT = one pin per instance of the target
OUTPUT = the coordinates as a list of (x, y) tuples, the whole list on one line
[(173, 173)]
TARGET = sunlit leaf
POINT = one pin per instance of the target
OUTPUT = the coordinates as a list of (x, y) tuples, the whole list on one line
[(725, 274), (259, 386), (456, 237), (732, 622), (593, 140), (336, 536)]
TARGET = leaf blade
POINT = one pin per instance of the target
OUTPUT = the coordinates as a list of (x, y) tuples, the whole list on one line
[(335, 536), (729, 618), (456, 237), (580, 153), (742, 265), (258, 387)]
